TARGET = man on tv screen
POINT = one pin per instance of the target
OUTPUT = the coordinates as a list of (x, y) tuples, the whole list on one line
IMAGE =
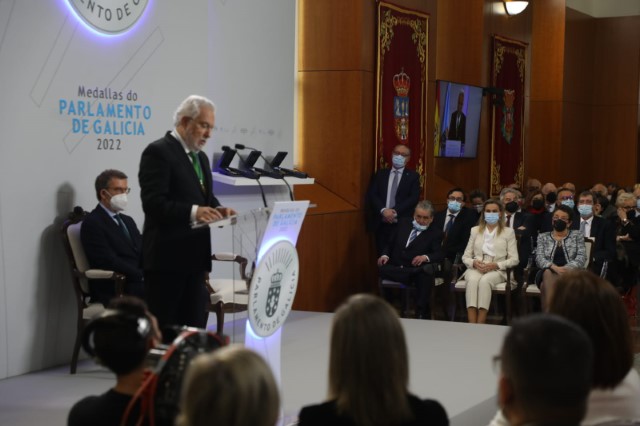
[(458, 122)]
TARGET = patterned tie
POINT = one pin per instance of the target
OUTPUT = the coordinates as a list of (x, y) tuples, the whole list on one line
[(394, 189), (583, 227), (123, 227), (449, 224), (412, 236), (196, 166)]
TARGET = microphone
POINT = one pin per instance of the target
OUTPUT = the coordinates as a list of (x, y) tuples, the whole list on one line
[(251, 174), (274, 174), (262, 172)]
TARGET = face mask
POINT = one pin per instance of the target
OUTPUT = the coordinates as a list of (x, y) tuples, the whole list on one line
[(398, 161), (491, 218), (478, 207), (511, 207), (559, 225), (454, 206), (585, 210), (537, 204), (118, 202), (419, 227), (568, 203), (552, 197)]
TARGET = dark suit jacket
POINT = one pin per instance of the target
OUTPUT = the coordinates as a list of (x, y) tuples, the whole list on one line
[(426, 412), (458, 237), (169, 188), (429, 243), (605, 245), (107, 247), (526, 220), (457, 132), (407, 195)]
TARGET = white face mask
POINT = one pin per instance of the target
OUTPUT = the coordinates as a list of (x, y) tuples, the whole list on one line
[(118, 202)]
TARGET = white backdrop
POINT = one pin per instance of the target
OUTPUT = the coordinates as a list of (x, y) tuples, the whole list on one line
[(240, 53)]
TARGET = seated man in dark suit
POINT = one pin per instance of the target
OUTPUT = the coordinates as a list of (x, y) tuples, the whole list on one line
[(111, 240), (522, 224), (600, 230), (456, 221), (392, 194), (411, 252)]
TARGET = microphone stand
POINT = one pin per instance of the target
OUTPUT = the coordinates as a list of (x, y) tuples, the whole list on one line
[(257, 178)]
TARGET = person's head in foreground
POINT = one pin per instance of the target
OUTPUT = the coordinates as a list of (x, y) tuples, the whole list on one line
[(368, 363), (545, 371), (593, 304), (232, 386)]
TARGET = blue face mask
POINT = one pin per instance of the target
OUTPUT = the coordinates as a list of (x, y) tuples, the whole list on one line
[(585, 210), (454, 206), (398, 161), (491, 218), (419, 227), (569, 203)]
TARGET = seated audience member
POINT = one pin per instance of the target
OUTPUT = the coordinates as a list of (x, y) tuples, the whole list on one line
[(411, 253), (594, 305), (570, 186), (490, 251), (608, 209), (565, 197), (599, 230), (522, 224), (545, 373), (369, 372), (550, 196), (231, 386), (612, 189), (477, 199), (558, 251), (456, 221), (534, 205), (533, 184), (119, 339), (628, 245), (111, 239)]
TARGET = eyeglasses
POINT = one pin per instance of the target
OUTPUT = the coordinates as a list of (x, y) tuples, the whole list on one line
[(458, 199), (567, 197), (404, 154), (120, 190), (203, 125)]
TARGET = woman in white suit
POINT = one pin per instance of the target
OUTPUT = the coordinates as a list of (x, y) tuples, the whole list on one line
[(491, 250)]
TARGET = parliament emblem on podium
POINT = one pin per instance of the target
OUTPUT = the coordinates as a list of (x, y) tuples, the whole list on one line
[(402, 84), (273, 288)]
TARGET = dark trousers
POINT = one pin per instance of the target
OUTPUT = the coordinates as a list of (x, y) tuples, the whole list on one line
[(177, 298), (421, 277)]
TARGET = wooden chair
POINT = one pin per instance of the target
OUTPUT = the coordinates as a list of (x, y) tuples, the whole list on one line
[(226, 294), (507, 288), (80, 274), (531, 291), (408, 291)]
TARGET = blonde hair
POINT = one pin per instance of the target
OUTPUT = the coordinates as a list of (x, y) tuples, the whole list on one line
[(232, 386), (368, 365), (482, 223), (624, 196)]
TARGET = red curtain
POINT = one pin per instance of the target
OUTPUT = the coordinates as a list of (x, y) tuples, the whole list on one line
[(507, 126), (401, 85)]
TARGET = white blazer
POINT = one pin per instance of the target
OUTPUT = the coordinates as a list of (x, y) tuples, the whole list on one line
[(504, 245)]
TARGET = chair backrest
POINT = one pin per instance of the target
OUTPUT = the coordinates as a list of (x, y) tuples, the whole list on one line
[(588, 245), (75, 252)]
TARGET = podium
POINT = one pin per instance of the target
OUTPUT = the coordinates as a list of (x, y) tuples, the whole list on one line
[(266, 238)]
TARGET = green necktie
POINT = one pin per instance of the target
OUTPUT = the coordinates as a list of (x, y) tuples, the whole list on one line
[(196, 166)]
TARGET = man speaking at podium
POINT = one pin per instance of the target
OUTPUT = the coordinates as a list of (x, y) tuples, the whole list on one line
[(176, 191)]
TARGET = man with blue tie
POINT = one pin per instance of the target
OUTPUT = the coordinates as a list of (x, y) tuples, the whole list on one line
[(412, 251), (111, 239), (392, 195)]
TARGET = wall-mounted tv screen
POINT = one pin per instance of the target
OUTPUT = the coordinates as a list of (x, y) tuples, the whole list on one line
[(458, 112)]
